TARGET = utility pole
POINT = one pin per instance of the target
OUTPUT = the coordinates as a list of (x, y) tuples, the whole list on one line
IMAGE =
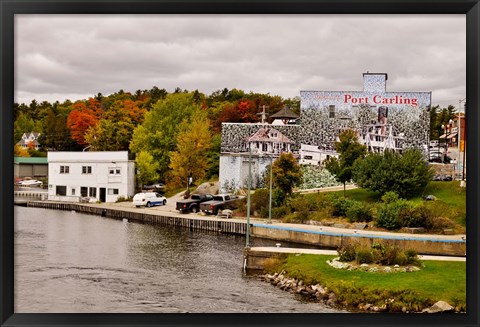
[(263, 114)]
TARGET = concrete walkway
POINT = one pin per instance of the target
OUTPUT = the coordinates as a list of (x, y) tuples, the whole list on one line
[(333, 252)]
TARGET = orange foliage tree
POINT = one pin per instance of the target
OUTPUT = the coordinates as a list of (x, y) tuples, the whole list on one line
[(79, 120)]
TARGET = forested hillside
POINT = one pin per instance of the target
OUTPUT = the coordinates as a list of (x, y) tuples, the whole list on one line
[(170, 135)]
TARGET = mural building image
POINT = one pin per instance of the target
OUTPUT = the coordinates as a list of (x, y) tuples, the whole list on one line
[(383, 120)]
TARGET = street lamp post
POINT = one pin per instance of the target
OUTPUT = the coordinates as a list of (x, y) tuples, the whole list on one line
[(460, 134), (247, 242), (444, 127), (270, 194)]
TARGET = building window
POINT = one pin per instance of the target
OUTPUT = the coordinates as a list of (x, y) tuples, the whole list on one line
[(114, 171), (92, 192), (86, 169), (331, 111), (61, 190), (73, 191), (64, 169), (113, 191), (84, 191)]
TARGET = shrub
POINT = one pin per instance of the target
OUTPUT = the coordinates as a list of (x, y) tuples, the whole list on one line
[(388, 213), (400, 259), (279, 212), (299, 203), (390, 197), (416, 217), (260, 199), (363, 255), (340, 206), (347, 252), (412, 257), (384, 253), (440, 223), (278, 197), (389, 254), (359, 212)]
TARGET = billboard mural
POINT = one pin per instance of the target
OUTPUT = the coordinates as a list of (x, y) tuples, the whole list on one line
[(383, 120)]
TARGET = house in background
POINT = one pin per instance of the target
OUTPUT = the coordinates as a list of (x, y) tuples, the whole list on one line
[(90, 176), (30, 167), (30, 139)]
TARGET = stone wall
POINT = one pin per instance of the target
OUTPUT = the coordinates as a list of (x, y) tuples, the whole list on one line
[(442, 169)]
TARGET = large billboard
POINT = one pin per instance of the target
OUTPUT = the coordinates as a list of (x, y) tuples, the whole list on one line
[(383, 120)]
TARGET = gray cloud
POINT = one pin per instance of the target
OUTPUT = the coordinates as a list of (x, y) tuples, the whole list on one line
[(77, 56)]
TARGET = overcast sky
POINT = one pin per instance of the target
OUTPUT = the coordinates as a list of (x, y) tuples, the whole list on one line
[(59, 57)]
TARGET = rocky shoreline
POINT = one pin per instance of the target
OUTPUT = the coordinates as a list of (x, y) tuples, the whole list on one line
[(321, 294)]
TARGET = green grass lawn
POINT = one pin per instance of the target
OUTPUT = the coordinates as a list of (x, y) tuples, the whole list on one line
[(451, 199), (437, 280)]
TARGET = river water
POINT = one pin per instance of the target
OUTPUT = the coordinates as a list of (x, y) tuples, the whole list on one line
[(71, 262)]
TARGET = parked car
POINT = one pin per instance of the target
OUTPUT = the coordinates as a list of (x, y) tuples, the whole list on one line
[(155, 187), (443, 177), (440, 157), (219, 202), (149, 199), (193, 203)]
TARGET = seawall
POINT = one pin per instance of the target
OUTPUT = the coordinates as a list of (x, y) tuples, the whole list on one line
[(325, 237)]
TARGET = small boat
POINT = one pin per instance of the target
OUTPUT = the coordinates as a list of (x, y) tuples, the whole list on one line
[(29, 183)]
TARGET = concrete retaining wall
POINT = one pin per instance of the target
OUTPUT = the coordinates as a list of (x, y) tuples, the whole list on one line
[(423, 245)]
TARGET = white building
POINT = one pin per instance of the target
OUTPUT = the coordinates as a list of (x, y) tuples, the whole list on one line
[(90, 176), (312, 155), (29, 139)]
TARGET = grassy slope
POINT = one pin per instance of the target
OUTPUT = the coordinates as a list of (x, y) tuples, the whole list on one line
[(451, 199), (438, 280)]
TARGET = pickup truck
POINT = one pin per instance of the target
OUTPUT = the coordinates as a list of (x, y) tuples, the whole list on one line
[(193, 203), (219, 202)]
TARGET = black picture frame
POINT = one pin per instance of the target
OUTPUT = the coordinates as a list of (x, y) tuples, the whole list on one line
[(9, 8)]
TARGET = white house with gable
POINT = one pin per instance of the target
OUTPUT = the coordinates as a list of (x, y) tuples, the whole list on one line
[(90, 176)]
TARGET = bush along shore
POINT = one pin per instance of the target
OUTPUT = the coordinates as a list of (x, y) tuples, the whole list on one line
[(381, 278)]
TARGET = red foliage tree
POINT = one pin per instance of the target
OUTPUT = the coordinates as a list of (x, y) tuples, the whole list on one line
[(79, 120)]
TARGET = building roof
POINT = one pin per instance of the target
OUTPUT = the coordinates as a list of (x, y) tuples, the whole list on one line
[(264, 135), (285, 113), (31, 160)]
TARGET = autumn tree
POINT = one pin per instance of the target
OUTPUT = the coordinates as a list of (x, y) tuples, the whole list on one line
[(18, 151), (114, 131), (80, 120), (109, 135), (350, 150), (286, 173), (147, 168), (158, 132), (190, 157)]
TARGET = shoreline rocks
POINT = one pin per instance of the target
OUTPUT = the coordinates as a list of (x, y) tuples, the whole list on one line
[(336, 263), (319, 293)]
